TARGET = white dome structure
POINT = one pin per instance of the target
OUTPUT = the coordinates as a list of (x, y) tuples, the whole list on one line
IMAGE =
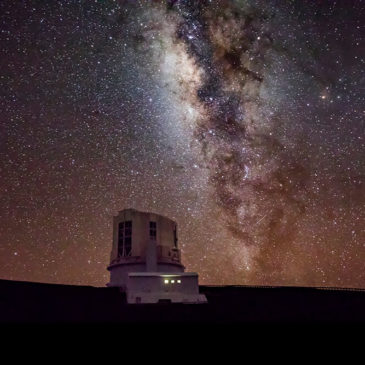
[(145, 260)]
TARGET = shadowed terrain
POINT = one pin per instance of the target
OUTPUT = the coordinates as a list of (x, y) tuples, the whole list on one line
[(26, 302)]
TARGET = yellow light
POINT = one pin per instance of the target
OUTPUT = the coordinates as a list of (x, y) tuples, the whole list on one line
[(179, 281), (172, 281), (166, 281)]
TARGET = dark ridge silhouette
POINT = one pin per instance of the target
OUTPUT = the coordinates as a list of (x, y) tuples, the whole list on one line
[(27, 302)]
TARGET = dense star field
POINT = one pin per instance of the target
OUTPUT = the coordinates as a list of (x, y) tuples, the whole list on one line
[(242, 120)]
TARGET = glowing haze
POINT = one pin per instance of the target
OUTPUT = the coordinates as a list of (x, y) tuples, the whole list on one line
[(242, 120)]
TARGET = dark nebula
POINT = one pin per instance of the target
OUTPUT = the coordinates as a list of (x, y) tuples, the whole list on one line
[(242, 120)]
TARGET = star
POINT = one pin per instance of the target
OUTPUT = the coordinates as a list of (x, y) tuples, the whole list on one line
[(242, 121)]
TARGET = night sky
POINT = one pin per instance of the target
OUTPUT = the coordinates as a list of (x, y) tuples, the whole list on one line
[(242, 120)]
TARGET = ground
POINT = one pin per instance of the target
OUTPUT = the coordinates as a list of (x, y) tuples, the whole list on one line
[(26, 302)]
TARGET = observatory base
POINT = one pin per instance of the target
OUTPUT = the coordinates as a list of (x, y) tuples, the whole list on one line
[(157, 287)]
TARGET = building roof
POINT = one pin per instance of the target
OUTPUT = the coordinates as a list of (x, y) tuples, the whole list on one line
[(143, 212), (163, 274)]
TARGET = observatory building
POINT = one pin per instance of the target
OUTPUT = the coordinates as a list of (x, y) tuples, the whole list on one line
[(145, 260)]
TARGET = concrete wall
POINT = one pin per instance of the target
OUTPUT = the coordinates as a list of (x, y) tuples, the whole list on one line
[(119, 272), (147, 284), (160, 255), (152, 288), (140, 232), (169, 268)]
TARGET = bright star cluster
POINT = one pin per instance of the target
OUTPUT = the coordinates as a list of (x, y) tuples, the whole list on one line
[(243, 120)]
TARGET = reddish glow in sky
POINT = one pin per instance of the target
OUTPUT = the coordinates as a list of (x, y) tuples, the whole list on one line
[(241, 120)]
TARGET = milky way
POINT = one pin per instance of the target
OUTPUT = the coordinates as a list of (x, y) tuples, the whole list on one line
[(242, 120)]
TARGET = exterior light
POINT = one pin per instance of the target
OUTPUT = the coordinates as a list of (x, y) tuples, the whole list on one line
[(166, 281), (179, 281), (172, 281)]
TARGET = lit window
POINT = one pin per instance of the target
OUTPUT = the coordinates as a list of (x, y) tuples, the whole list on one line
[(172, 281), (166, 281), (179, 281)]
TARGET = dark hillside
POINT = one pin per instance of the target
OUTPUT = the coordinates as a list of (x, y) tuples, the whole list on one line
[(25, 302)]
